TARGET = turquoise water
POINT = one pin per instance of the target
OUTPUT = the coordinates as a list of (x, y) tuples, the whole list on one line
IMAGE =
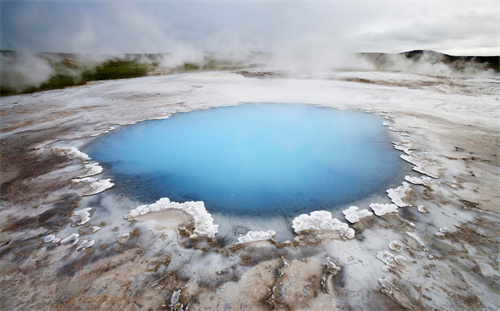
[(252, 159)]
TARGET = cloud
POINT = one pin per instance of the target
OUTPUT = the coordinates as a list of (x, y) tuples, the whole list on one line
[(283, 27), (451, 34)]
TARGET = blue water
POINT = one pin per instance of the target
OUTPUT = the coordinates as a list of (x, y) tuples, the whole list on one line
[(252, 159)]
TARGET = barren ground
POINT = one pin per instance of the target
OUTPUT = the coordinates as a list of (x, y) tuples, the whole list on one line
[(438, 252)]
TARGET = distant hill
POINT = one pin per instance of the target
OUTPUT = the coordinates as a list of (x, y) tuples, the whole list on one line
[(26, 73), (454, 62), (31, 72)]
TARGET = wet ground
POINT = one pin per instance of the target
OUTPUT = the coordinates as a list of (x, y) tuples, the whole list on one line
[(65, 242)]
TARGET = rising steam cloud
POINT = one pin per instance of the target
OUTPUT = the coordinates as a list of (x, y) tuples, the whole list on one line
[(24, 70), (294, 36)]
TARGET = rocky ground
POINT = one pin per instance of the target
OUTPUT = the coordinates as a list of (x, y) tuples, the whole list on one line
[(65, 242)]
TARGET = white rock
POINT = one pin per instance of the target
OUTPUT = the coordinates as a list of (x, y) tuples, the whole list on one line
[(204, 223), (81, 217), (400, 260), (49, 238), (85, 244), (97, 185), (73, 239), (420, 164), (353, 214), (387, 285), (253, 236), (396, 246), (322, 220), (93, 169), (414, 237), (72, 153), (397, 195), (124, 238), (422, 209), (424, 180), (382, 209), (403, 146), (386, 257)]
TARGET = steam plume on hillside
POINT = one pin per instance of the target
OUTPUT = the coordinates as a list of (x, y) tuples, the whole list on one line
[(24, 70)]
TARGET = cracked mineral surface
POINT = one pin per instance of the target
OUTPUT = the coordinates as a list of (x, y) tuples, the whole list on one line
[(433, 243)]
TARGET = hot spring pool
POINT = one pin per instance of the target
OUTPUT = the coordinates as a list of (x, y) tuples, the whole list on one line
[(252, 159)]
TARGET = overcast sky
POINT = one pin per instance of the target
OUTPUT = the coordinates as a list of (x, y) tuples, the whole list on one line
[(453, 27)]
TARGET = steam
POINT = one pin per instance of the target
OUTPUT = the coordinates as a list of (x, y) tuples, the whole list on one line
[(24, 70), (429, 63), (181, 54), (296, 37)]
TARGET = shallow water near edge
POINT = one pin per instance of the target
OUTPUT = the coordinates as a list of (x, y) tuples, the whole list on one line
[(252, 159)]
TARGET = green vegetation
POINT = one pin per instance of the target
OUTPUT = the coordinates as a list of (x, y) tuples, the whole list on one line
[(69, 72), (188, 67), (209, 64), (59, 80), (222, 65), (66, 70), (116, 69)]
